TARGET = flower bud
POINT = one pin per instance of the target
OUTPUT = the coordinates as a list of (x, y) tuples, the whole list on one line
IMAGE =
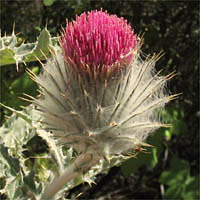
[(98, 41)]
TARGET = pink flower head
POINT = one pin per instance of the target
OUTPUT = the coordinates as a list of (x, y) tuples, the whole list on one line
[(98, 40)]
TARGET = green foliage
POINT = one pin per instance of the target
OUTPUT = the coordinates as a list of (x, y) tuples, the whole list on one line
[(14, 134), (26, 176), (12, 89), (11, 51), (48, 2), (174, 117), (180, 183), (24, 84)]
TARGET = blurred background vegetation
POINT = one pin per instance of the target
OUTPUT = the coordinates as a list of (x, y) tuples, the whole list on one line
[(171, 169)]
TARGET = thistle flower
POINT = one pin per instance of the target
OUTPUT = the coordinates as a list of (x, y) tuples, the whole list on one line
[(98, 95), (100, 40)]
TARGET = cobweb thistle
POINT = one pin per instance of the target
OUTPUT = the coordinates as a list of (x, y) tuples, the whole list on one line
[(98, 95)]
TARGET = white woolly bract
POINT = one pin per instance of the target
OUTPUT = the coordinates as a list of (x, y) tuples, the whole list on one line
[(107, 115)]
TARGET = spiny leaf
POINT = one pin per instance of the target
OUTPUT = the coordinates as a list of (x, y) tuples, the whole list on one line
[(19, 113), (11, 162), (11, 52)]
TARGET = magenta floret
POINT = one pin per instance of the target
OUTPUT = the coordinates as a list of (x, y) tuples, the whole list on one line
[(98, 39)]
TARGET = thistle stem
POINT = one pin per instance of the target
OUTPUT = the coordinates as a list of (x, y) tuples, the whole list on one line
[(80, 166)]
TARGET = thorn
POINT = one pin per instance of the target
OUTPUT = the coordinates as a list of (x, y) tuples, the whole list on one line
[(171, 75), (51, 50), (90, 183), (13, 32), (43, 54), (28, 96), (62, 94), (139, 149), (24, 99), (17, 66), (24, 62), (39, 61), (77, 196), (134, 155), (85, 93), (157, 57), (99, 108), (106, 159), (159, 72), (9, 108), (166, 125), (30, 72), (174, 96), (46, 23), (18, 34), (146, 145)]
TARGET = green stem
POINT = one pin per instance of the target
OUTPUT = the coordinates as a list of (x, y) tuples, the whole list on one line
[(80, 166)]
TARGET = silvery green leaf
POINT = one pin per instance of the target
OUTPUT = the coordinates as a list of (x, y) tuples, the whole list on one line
[(11, 52)]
